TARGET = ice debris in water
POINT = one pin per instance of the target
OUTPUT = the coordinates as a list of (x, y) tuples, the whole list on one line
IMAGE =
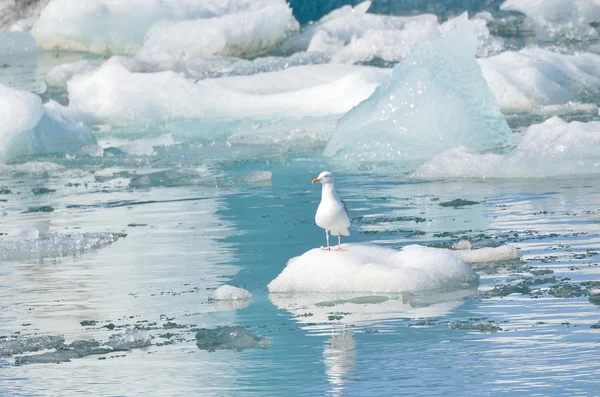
[(257, 177), (228, 292), (65, 353), (486, 254), (174, 178), (556, 20), (31, 246), (372, 268), (352, 35), (232, 338), (115, 95), (130, 339), (21, 344), (424, 109), (30, 128), (106, 25), (59, 75), (242, 34), (552, 148), (535, 77)]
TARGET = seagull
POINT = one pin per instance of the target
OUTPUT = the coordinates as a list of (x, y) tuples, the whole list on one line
[(332, 214)]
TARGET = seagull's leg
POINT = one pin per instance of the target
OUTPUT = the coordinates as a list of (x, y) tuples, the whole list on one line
[(339, 248), (327, 237)]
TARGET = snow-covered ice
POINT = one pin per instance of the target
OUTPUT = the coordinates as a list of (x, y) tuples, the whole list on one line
[(371, 268), (552, 148), (228, 292)]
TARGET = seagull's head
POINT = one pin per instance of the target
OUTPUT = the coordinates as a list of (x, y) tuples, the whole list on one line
[(324, 177)]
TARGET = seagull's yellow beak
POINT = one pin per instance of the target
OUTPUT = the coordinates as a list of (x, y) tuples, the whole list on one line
[(315, 180)]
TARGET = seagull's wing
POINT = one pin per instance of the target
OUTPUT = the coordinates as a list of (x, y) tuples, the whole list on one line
[(345, 209)]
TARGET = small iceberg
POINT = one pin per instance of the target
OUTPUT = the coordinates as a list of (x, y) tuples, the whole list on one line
[(228, 292), (487, 254), (369, 268)]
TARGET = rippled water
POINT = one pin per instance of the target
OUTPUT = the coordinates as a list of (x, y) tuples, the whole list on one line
[(181, 243)]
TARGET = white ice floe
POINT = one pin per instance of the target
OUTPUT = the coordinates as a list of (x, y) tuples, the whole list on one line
[(424, 109), (228, 292), (30, 128), (554, 20), (534, 77), (31, 246), (257, 177), (118, 96), (241, 34), (552, 148), (351, 35), (130, 339), (486, 254), (142, 146), (108, 25), (370, 268)]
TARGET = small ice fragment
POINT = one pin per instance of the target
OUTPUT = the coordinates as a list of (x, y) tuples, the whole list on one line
[(228, 292), (462, 245), (257, 177), (30, 234), (488, 254), (232, 338), (131, 339)]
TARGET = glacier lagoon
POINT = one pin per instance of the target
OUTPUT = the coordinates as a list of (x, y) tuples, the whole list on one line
[(114, 243)]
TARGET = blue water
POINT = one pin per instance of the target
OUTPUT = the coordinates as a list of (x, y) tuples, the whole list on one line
[(114, 250)]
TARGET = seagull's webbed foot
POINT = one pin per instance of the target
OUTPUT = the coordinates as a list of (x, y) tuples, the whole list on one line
[(326, 248), (339, 248)]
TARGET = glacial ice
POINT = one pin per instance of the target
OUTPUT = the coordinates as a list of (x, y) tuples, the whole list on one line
[(487, 254), (534, 77), (370, 268), (554, 20), (241, 34), (435, 100), (228, 292), (28, 128), (552, 148), (21, 344), (231, 338), (352, 35), (106, 25), (118, 96), (130, 339), (55, 245)]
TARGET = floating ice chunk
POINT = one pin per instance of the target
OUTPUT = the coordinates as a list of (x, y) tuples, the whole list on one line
[(130, 339), (54, 246), (558, 19), (424, 109), (232, 338), (174, 178), (241, 34), (145, 146), (30, 234), (371, 268), (533, 77), (20, 110), (352, 35), (20, 345), (107, 25), (257, 177), (487, 254), (59, 75), (31, 168), (55, 132), (552, 148), (228, 292), (462, 245), (118, 96)]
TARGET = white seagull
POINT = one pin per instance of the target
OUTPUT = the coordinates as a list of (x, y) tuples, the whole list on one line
[(332, 214)]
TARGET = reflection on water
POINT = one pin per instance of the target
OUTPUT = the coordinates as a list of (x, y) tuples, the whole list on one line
[(339, 355)]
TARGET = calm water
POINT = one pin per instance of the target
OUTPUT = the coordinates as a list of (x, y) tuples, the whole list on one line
[(196, 238)]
